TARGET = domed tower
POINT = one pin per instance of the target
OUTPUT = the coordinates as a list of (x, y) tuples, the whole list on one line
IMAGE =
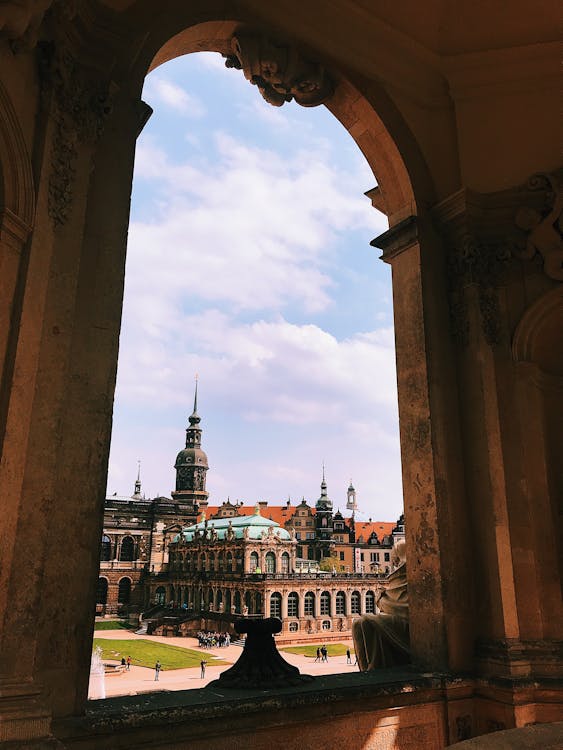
[(324, 525), (191, 466)]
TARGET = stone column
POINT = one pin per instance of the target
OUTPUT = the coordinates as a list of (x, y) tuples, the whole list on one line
[(436, 507), (59, 407), (284, 613)]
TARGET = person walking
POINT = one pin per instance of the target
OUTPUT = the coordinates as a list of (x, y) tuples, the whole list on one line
[(348, 656), (318, 656), (157, 668), (203, 665), (128, 663), (123, 662), (324, 653)]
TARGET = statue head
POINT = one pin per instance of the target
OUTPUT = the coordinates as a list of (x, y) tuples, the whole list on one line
[(399, 554)]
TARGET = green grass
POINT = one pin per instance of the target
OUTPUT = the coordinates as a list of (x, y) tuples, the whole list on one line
[(112, 625), (147, 653), (334, 649)]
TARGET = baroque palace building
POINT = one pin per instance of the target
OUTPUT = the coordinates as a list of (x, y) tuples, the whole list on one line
[(264, 560)]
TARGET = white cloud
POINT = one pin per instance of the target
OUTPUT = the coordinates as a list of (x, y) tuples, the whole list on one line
[(250, 228), (161, 90)]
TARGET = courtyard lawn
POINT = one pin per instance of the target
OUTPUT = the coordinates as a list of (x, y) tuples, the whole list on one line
[(334, 649), (112, 625), (147, 653)]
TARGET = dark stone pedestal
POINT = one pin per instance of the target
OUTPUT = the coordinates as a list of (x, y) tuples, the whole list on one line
[(260, 665)]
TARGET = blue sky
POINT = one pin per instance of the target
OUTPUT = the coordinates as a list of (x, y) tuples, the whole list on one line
[(249, 263)]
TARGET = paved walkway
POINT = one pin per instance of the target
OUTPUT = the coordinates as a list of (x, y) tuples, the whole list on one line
[(141, 679)]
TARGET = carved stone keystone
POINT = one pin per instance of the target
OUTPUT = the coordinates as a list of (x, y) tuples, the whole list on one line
[(280, 71), (260, 665)]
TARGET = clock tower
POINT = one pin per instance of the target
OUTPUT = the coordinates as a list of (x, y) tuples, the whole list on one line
[(191, 467)]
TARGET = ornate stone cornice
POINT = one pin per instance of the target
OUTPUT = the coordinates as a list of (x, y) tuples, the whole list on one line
[(490, 237), (280, 71)]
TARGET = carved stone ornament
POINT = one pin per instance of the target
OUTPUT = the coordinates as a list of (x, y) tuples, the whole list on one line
[(544, 230), (474, 262), (20, 20), (279, 71), (81, 104)]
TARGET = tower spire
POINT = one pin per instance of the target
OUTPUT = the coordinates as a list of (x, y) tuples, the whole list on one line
[(195, 394), (138, 480)]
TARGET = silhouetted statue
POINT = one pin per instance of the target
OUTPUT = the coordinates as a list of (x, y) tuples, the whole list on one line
[(382, 640)]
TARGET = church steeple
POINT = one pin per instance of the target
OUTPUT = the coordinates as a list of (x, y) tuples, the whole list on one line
[(191, 465), (323, 522), (137, 493)]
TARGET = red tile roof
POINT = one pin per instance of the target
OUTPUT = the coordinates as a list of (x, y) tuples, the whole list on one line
[(381, 528), (282, 514)]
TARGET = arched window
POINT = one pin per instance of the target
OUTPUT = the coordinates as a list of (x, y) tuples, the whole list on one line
[(210, 599), (356, 603), (124, 591), (293, 627), (270, 562), (293, 604), (127, 551), (253, 561), (237, 602), (203, 562), (285, 563), (221, 560), (275, 605), (228, 601), (212, 562), (105, 552), (229, 562), (370, 602), (102, 593), (309, 604), (219, 600), (248, 602), (340, 604), (323, 521), (325, 603), (259, 605), (326, 625), (160, 596)]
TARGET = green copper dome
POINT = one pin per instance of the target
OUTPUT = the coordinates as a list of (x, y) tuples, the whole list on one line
[(243, 527)]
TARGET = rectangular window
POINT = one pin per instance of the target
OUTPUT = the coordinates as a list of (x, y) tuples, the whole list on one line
[(387, 556), (310, 535), (309, 606), (362, 556), (298, 535), (342, 555)]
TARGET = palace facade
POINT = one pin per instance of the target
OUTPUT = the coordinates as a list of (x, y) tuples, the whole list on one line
[(314, 568)]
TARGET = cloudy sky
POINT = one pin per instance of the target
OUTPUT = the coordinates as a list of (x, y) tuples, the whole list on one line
[(249, 263)]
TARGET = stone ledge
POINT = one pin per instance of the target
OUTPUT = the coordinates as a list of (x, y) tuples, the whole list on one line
[(328, 695)]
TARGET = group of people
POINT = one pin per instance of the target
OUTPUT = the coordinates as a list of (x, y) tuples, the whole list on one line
[(322, 653), (212, 640)]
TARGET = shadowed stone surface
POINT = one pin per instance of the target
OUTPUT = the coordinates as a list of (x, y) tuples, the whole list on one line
[(260, 665)]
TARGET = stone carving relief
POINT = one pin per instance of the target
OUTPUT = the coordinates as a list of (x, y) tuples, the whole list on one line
[(20, 21), (280, 71), (473, 261), (544, 231), (81, 104)]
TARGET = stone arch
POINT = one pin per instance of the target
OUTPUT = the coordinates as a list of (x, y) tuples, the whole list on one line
[(102, 591), (17, 194), (127, 549), (537, 337), (370, 116), (124, 590)]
